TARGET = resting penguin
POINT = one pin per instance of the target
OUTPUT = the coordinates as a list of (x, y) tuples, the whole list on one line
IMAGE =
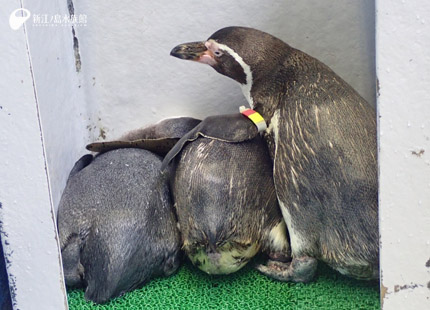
[(322, 138), (116, 224), (236, 233), (224, 195)]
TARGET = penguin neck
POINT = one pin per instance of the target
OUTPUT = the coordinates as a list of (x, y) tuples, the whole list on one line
[(263, 102), (260, 93), (247, 86), (246, 90)]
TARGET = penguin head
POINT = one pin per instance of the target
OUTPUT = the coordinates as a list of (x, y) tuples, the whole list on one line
[(216, 239), (221, 257), (243, 54)]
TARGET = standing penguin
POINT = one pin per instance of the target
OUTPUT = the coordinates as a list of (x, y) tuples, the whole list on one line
[(116, 224), (322, 138), (224, 195)]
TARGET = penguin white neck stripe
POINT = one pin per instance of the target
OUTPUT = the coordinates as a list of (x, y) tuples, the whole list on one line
[(246, 88)]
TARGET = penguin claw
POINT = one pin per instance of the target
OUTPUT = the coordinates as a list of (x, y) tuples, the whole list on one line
[(300, 269)]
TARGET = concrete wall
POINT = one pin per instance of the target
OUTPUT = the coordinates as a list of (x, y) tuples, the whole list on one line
[(403, 58), (64, 112), (130, 80)]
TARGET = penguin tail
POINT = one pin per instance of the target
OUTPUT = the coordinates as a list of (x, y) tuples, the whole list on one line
[(81, 164), (72, 268)]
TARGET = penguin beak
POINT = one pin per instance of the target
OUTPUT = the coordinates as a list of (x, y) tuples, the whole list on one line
[(196, 51)]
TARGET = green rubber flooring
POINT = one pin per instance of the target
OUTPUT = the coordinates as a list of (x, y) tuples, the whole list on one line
[(192, 289)]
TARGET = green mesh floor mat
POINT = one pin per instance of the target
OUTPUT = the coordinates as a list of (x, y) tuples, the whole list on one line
[(190, 288)]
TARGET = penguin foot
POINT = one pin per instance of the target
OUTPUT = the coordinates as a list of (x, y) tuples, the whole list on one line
[(301, 269), (279, 257)]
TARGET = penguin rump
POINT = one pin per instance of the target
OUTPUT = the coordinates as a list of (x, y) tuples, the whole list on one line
[(116, 224), (322, 138), (224, 195)]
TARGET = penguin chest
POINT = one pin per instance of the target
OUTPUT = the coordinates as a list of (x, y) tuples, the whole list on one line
[(284, 173), (292, 152), (285, 179)]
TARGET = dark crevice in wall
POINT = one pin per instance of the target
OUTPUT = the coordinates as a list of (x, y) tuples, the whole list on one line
[(75, 39), (5, 298), (71, 7), (76, 49)]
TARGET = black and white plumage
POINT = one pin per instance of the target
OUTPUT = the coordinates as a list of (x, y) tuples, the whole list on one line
[(322, 139)]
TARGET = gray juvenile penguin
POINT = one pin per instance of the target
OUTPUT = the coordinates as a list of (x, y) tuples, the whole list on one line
[(116, 224), (322, 138), (224, 195)]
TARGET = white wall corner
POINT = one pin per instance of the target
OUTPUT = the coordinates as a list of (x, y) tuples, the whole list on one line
[(57, 68), (403, 71), (27, 214)]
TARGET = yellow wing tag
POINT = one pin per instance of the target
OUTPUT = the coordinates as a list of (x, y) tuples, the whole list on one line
[(255, 117)]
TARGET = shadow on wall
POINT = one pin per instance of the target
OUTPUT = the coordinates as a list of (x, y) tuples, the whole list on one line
[(5, 301)]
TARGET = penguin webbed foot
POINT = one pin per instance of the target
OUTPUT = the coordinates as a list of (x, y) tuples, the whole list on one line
[(301, 269), (280, 257)]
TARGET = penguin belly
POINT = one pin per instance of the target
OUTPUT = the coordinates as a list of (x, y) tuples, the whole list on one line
[(226, 204), (116, 224)]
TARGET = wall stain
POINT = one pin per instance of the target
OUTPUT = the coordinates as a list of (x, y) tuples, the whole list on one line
[(384, 291), (102, 133), (419, 153), (1, 108), (378, 88), (428, 263), (398, 288)]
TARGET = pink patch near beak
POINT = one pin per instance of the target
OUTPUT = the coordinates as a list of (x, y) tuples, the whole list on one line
[(207, 58)]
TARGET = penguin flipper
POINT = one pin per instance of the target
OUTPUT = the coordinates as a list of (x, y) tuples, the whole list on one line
[(159, 146), (174, 127), (231, 128), (109, 268), (72, 267), (158, 138)]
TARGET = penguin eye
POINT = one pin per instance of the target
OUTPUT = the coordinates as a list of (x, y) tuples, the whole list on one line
[(218, 53)]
